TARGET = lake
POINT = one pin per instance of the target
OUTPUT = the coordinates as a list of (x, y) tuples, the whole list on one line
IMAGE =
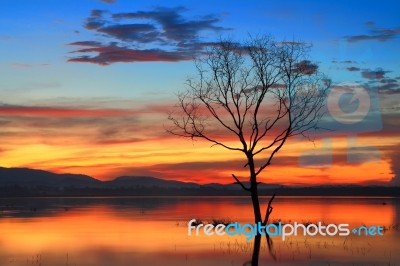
[(153, 231)]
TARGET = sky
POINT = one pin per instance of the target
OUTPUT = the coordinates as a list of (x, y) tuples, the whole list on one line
[(86, 86)]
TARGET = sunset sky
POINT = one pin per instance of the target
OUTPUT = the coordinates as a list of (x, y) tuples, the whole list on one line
[(86, 86)]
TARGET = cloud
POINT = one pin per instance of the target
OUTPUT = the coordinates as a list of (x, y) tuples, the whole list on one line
[(163, 34), (218, 171), (389, 86), (390, 90), (131, 32), (97, 13), (306, 67), (87, 43), (113, 54), (80, 125), (353, 68), (108, 1), (9, 110), (25, 65), (382, 35), (373, 74), (174, 26), (370, 23), (92, 25), (343, 62), (388, 80)]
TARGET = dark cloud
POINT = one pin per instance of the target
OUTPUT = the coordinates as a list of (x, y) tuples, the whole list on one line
[(87, 43), (173, 24), (144, 33), (389, 32), (381, 35), (389, 86), (373, 74), (370, 23), (306, 67), (388, 80), (108, 1), (113, 54), (344, 62), (390, 90), (96, 13), (353, 68), (163, 34), (94, 24), (385, 86)]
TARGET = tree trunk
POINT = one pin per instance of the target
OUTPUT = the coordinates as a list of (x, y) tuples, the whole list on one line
[(254, 190), (256, 205), (256, 250)]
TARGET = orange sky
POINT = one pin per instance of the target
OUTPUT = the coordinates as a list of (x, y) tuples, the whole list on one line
[(106, 143)]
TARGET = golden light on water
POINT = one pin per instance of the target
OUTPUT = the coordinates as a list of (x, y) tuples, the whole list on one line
[(158, 233)]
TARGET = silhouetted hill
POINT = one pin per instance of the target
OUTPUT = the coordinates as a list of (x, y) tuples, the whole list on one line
[(34, 178), (147, 181), (15, 182), (235, 186)]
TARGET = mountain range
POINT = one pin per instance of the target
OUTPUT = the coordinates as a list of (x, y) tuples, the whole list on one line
[(27, 177), (33, 182)]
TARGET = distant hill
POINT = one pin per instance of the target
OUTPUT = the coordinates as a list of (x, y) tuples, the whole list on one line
[(25, 182), (234, 186), (148, 181), (26, 177), (33, 178)]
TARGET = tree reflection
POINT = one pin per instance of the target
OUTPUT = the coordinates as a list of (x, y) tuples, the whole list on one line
[(255, 257)]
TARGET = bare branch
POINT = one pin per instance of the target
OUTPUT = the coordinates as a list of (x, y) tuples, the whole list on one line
[(240, 183), (269, 210), (252, 98)]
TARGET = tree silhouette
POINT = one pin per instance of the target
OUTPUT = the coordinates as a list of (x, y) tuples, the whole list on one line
[(251, 98)]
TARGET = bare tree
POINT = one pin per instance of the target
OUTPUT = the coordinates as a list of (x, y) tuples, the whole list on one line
[(251, 98)]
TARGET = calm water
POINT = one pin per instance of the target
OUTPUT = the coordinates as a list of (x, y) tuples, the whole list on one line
[(153, 231)]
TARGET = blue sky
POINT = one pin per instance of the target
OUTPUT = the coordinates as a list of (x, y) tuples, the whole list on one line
[(36, 34)]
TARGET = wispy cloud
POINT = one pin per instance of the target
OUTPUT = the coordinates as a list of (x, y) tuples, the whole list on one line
[(389, 86), (55, 125), (112, 54), (25, 65), (375, 34), (373, 74), (370, 23), (344, 62), (163, 34), (352, 69), (7, 110), (108, 1)]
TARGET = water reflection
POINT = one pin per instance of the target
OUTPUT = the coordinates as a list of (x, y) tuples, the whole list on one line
[(152, 231)]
